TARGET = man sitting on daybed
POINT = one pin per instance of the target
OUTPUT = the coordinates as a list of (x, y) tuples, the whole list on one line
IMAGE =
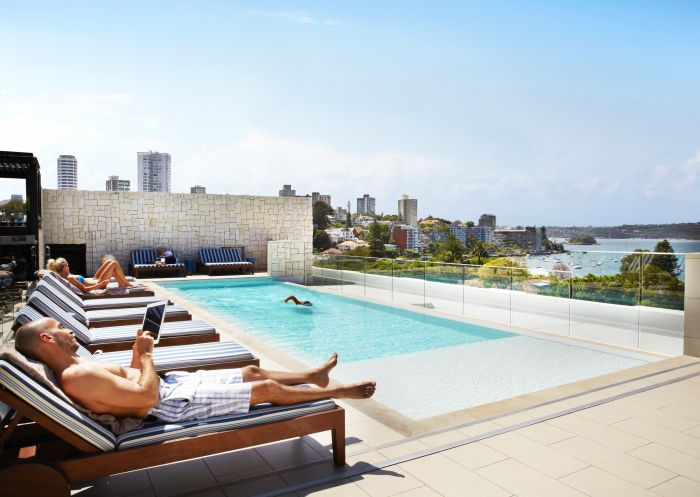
[(138, 391)]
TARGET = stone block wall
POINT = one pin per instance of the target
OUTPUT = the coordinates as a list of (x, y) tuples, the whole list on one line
[(119, 222), (290, 260), (691, 342)]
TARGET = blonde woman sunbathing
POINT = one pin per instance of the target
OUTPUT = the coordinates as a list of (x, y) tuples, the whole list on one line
[(109, 269)]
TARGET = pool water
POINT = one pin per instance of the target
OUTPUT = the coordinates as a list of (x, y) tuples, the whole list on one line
[(424, 365)]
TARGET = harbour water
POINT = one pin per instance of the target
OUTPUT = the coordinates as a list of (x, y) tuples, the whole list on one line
[(603, 258)]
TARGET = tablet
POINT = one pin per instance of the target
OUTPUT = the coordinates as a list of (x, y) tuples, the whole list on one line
[(153, 319)]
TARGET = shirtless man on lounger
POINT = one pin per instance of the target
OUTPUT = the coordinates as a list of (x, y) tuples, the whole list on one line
[(138, 391)]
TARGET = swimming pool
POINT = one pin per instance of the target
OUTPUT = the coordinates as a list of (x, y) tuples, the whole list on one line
[(425, 365)]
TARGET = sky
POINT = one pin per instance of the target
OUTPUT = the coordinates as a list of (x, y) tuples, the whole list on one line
[(541, 112)]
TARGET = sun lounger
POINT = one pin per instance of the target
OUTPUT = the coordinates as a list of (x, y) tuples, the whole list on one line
[(59, 285), (223, 261), (79, 448), (114, 337), (104, 317), (112, 290), (143, 263)]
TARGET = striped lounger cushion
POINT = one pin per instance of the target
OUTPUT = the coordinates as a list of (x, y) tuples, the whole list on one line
[(145, 258), (153, 433), (55, 408), (218, 257), (115, 302), (40, 306)]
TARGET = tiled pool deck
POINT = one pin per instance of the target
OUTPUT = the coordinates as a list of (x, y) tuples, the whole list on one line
[(636, 432)]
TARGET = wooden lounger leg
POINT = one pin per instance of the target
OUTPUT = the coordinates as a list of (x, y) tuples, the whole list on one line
[(32, 480), (338, 440)]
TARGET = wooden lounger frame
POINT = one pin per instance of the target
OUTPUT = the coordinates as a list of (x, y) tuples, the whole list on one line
[(164, 342), (59, 457)]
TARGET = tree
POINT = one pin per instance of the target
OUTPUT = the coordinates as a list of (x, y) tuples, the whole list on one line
[(479, 251), (348, 221), (321, 240), (667, 262), (450, 251), (321, 211), (470, 224), (630, 263), (376, 243)]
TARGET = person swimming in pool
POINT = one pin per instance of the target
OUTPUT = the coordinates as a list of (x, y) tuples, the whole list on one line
[(297, 301)]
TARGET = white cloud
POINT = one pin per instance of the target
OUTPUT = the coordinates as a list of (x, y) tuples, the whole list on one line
[(667, 180)]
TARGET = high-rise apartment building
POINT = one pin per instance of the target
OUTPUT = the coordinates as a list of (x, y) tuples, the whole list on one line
[(488, 220), (365, 205), (408, 211), (287, 191), (114, 184), (153, 172), (405, 237), (462, 233), (67, 172), (317, 197), (198, 189)]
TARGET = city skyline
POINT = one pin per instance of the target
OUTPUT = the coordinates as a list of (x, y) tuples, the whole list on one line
[(545, 113)]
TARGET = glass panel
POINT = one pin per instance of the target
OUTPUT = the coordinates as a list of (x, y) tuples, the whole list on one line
[(444, 288), (378, 282), (661, 313), (332, 272), (317, 264), (483, 298), (604, 306), (540, 301), (409, 282), (353, 275)]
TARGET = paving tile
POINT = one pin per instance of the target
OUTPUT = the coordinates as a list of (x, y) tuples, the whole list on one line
[(524, 481), (254, 487), (679, 486), (287, 454), (618, 463), (662, 418), (650, 398), (235, 476), (372, 432), (545, 433), (655, 433), (387, 481), (480, 428), (540, 457), (341, 488), (695, 432), (598, 483), (403, 449), (181, 477), (598, 432), (124, 484), (236, 461), (474, 455), (443, 438), (366, 458), (419, 492), (686, 409), (451, 479), (216, 492), (602, 414), (308, 473), (669, 459)]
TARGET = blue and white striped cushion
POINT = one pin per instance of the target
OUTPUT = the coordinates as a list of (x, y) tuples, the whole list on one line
[(143, 256), (262, 414), (48, 308), (122, 302), (59, 284), (185, 356), (101, 315), (68, 305), (168, 330), (55, 408)]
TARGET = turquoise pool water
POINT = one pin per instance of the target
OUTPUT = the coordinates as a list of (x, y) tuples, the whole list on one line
[(424, 365), (357, 330)]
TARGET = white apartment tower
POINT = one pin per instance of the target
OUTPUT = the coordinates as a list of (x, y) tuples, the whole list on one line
[(154, 172), (408, 210), (114, 184), (67, 172), (365, 205)]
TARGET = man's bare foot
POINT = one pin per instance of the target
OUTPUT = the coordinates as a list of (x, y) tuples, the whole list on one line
[(362, 390), (321, 377)]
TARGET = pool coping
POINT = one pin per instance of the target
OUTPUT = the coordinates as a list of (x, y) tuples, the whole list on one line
[(411, 427)]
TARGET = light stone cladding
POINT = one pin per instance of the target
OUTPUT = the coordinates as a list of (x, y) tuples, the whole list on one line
[(691, 323), (289, 260), (119, 222)]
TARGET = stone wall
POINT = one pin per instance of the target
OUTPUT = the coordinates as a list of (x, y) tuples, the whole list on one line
[(692, 305), (119, 222), (290, 260)]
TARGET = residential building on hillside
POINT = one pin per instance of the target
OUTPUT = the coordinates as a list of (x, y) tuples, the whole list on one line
[(67, 169), (198, 189), (339, 234), (408, 210), (317, 197), (365, 205), (341, 215), (351, 245), (363, 221), (405, 237), (287, 191), (114, 184), (528, 238), (488, 220), (153, 172), (462, 233)]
